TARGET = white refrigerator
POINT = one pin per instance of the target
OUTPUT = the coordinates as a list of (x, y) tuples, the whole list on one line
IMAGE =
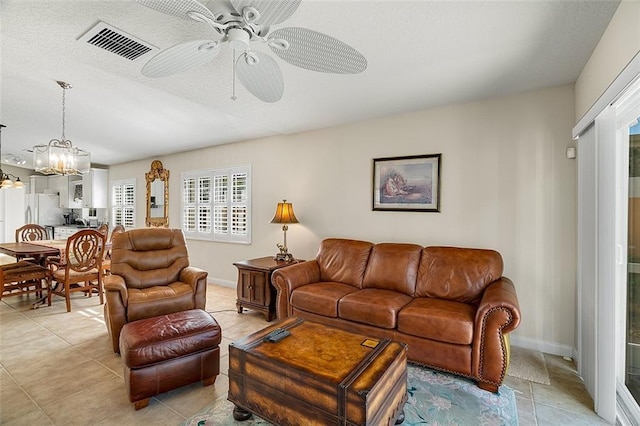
[(43, 209), (11, 213)]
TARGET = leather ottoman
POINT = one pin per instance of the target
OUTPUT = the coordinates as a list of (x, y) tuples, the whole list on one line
[(169, 351)]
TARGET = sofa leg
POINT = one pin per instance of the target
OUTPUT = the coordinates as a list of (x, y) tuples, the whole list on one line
[(488, 387), (141, 404), (210, 380)]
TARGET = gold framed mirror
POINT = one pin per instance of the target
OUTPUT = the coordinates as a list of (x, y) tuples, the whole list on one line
[(157, 195)]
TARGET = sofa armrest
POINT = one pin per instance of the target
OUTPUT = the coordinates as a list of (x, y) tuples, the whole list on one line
[(116, 289), (500, 294), (497, 315), (115, 308), (197, 279), (285, 280)]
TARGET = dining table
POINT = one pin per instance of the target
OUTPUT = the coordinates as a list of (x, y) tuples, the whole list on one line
[(38, 250)]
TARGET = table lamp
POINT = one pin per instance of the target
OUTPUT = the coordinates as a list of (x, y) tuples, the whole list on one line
[(284, 214)]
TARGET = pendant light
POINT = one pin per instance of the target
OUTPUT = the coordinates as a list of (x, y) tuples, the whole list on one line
[(59, 156)]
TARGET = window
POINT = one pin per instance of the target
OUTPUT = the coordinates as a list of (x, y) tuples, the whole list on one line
[(216, 204), (123, 196)]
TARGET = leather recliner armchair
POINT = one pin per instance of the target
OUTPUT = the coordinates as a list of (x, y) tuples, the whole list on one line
[(150, 276)]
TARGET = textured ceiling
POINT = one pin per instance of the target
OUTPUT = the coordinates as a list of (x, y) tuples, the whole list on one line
[(420, 54)]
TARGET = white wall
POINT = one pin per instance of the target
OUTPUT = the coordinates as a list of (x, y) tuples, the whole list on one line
[(20, 172), (617, 47), (506, 185)]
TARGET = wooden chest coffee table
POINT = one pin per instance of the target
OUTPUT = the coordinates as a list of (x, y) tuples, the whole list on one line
[(318, 375)]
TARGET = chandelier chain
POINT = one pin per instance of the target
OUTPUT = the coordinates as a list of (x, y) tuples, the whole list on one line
[(64, 91)]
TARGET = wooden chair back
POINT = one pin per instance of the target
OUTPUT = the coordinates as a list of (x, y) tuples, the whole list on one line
[(116, 230), (31, 232), (106, 262), (82, 270), (103, 229), (85, 250)]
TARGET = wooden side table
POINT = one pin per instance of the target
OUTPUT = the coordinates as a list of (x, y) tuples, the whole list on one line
[(255, 290)]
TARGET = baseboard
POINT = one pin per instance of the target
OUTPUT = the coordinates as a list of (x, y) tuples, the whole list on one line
[(221, 282), (542, 346)]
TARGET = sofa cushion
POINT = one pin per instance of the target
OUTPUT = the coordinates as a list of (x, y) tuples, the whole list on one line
[(441, 320), (393, 266), (459, 274), (161, 300), (320, 298), (343, 261), (373, 306)]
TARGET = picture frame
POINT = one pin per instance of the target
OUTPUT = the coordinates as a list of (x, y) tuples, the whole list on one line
[(410, 183)]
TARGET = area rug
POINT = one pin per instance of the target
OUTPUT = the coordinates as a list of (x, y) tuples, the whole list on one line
[(529, 365), (434, 398)]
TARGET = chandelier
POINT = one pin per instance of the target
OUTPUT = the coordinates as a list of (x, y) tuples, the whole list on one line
[(5, 178), (59, 157)]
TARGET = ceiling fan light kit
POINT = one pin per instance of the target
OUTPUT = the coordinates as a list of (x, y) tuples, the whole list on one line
[(249, 23), (238, 39)]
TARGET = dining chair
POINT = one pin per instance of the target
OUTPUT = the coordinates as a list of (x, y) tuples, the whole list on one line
[(82, 268), (30, 232), (106, 262), (23, 277), (103, 229)]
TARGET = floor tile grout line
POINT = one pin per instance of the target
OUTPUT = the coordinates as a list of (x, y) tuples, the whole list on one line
[(533, 404), (23, 390), (169, 408)]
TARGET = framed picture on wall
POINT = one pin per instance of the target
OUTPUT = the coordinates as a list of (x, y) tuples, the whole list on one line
[(407, 183)]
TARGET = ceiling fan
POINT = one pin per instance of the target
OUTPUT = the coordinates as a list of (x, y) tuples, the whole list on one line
[(243, 24)]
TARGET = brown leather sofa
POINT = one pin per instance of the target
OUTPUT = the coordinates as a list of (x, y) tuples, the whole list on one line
[(150, 276), (451, 306)]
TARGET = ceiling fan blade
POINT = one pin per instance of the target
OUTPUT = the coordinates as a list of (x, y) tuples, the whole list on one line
[(317, 52), (185, 9), (181, 57), (271, 11), (263, 79)]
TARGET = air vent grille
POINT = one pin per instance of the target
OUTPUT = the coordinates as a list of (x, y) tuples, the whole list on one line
[(111, 39)]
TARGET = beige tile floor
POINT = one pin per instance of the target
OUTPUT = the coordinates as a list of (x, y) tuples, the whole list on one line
[(57, 368)]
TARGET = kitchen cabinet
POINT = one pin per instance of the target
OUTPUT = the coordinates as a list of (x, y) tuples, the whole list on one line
[(65, 187), (64, 232), (55, 183), (95, 189), (37, 184)]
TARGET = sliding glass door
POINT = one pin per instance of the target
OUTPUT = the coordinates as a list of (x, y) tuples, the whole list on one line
[(632, 344), (627, 282)]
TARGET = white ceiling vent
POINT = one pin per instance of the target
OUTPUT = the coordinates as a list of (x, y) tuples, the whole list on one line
[(109, 38)]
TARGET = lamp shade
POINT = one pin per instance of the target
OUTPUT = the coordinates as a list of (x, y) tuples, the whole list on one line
[(284, 213), (6, 182)]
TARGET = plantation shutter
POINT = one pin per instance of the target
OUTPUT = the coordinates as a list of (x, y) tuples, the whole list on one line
[(216, 204), (123, 195)]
